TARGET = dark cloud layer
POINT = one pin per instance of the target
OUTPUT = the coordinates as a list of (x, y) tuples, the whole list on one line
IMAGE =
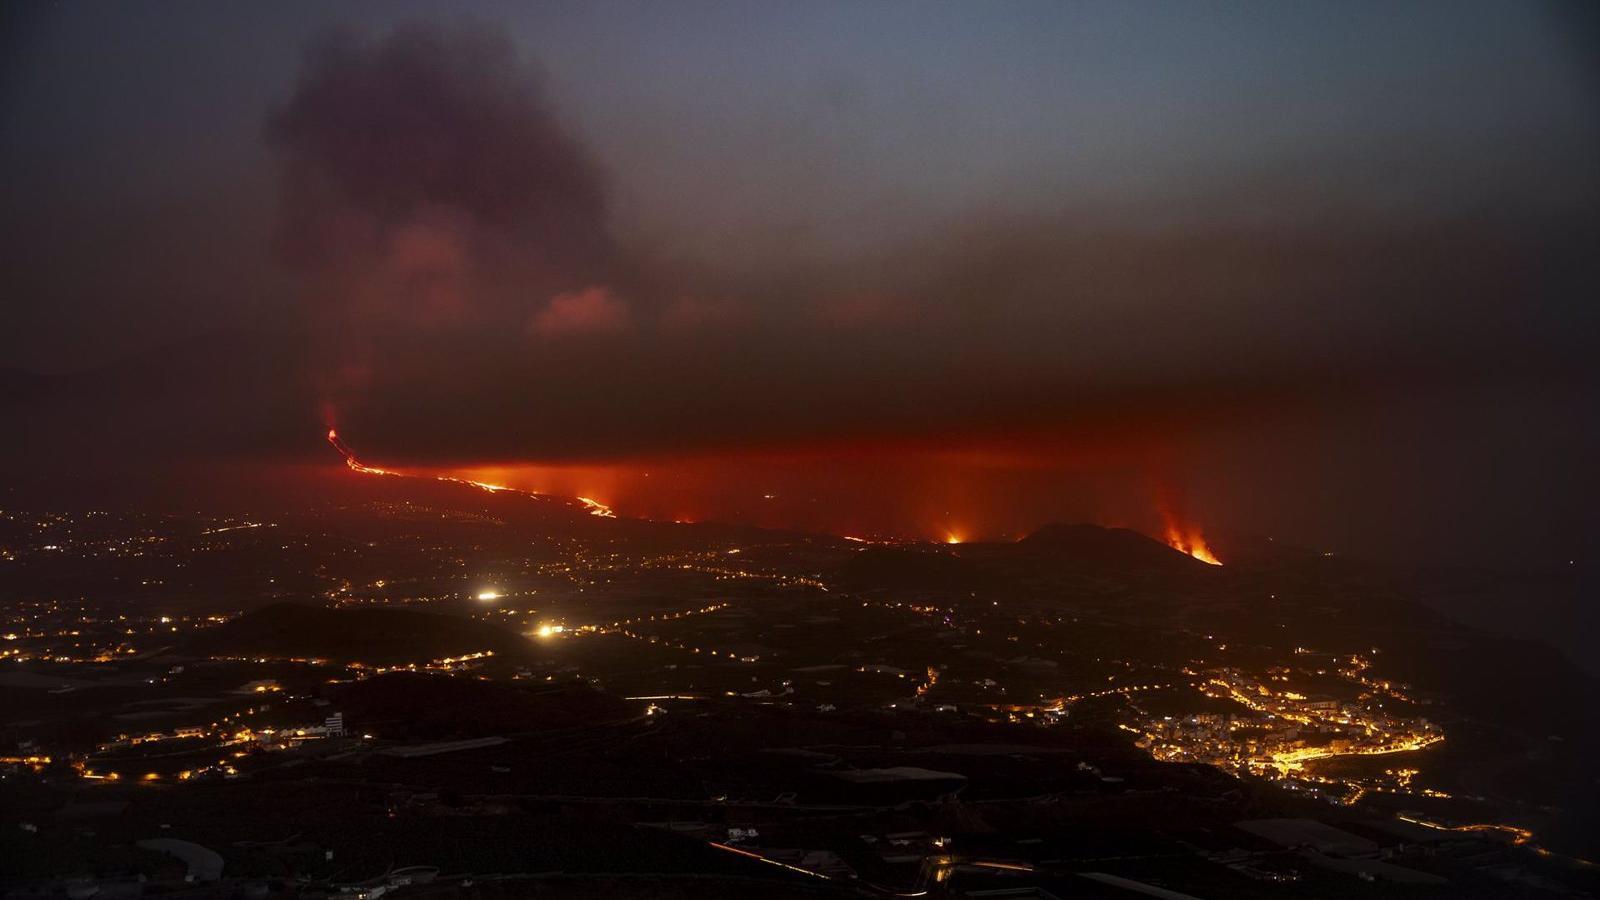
[(428, 188), (462, 297), (454, 243), (1038, 329)]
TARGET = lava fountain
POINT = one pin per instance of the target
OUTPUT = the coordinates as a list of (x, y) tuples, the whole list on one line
[(1188, 539)]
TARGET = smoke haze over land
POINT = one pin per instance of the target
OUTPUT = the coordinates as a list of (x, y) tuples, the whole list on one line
[(1325, 275)]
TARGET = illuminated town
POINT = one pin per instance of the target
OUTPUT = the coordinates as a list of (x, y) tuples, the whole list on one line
[(675, 633), (1282, 730)]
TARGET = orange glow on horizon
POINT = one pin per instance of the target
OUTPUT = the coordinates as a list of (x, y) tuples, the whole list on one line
[(593, 507), (872, 495)]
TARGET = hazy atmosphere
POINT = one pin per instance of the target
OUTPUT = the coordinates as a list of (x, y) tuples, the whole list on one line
[(686, 450), (1291, 252)]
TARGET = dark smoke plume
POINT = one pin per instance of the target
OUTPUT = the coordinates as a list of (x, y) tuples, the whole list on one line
[(427, 187)]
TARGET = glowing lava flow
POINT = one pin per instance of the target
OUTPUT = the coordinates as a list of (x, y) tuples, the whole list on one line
[(593, 507), (350, 458), (596, 508), (1190, 541)]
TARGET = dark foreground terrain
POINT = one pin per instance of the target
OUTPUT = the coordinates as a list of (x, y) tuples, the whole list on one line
[(430, 690)]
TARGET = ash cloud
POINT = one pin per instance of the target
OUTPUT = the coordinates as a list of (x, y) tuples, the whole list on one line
[(429, 187), (470, 301), (1022, 331)]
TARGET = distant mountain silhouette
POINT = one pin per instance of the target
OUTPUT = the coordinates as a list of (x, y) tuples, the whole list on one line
[(1094, 548), (376, 636), (1054, 550)]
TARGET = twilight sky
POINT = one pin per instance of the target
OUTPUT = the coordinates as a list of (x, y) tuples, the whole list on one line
[(1324, 270)]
